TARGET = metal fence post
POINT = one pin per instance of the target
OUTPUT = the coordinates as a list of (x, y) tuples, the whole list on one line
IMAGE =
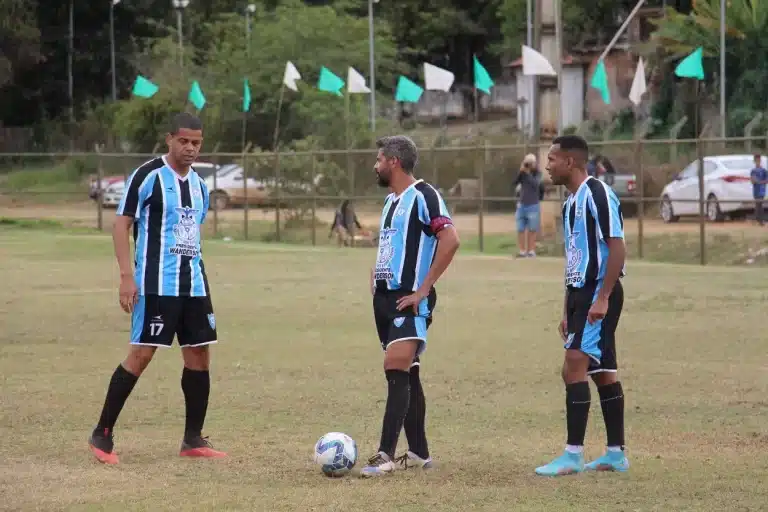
[(245, 190), (99, 191), (314, 200), (702, 212), (212, 196), (641, 196), (351, 176), (278, 194), (481, 202)]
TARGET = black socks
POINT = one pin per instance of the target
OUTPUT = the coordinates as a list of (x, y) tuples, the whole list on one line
[(612, 404), (415, 429), (577, 401), (120, 386), (196, 385), (398, 398)]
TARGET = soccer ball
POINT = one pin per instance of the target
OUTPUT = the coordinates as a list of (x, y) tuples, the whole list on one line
[(336, 453)]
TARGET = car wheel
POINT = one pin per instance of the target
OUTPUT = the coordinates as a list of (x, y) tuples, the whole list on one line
[(713, 209), (666, 211), (220, 200)]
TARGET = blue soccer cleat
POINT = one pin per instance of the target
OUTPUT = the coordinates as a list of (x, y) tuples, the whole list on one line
[(566, 464), (611, 461)]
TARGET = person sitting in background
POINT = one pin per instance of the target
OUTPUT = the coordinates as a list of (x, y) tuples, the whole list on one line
[(344, 218), (528, 214)]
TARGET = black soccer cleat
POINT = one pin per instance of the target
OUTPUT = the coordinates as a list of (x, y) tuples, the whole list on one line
[(102, 445)]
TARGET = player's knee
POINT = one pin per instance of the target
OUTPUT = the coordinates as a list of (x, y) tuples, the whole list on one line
[(575, 366), (196, 358), (138, 359), (399, 356), (605, 378)]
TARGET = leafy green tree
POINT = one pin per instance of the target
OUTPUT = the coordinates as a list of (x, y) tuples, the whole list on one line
[(309, 37), (746, 48)]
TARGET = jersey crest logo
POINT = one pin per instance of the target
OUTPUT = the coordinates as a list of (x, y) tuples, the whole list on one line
[(211, 320), (386, 250), (186, 233), (573, 258), (386, 253), (399, 321)]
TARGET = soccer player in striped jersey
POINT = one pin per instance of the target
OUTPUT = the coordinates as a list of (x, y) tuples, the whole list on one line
[(594, 297), (166, 291), (417, 242)]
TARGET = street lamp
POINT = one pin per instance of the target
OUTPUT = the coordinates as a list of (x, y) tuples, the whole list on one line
[(371, 63), (180, 5), (248, 11), (112, 46)]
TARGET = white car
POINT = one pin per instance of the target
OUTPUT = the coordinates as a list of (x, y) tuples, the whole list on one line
[(111, 196), (727, 189)]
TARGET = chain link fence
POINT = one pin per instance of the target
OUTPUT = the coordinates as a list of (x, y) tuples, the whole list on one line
[(684, 201)]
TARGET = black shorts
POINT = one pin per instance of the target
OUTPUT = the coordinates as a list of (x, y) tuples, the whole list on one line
[(393, 325), (156, 319), (597, 340)]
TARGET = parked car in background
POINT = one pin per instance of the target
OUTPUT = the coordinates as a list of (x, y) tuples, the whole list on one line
[(229, 190), (106, 181), (623, 185), (727, 189), (113, 192), (112, 195)]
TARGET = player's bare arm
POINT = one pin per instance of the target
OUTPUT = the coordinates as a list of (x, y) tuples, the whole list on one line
[(448, 244), (120, 238), (616, 255)]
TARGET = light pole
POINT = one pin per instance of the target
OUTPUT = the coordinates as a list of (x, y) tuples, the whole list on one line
[(248, 11), (180, 5), (113, 3), (371, 63), (70, 52), (722, 69)]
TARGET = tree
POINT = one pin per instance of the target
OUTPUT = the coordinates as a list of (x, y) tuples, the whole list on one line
[(679, 34), (308, 36)]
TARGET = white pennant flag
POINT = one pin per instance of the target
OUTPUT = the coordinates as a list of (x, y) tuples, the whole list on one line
[(437, 79), (535, 63), (356, 82), (638, 84), (290, 76)]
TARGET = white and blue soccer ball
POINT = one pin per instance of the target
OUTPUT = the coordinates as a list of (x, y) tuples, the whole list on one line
[(336, 453)]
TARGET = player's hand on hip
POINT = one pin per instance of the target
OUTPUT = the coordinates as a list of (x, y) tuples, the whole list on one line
[(129, 294), (598, 310), (413, 300), (563, 328)]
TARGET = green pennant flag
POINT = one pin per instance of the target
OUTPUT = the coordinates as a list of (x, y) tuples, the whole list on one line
[(407, 91), (600, 82), (196, 96), (143, 88), (329, 82), (246, 96), (692, 66), (483, 80)]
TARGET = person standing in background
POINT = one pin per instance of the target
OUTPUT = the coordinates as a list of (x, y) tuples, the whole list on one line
[(528, 214), (759, 177)]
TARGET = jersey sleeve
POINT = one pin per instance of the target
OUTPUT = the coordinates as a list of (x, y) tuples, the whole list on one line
[(433, 211), (606, 210), (137, 190), (206, 200)]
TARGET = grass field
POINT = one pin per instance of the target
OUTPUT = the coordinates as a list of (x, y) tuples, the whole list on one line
[(298, 357)]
